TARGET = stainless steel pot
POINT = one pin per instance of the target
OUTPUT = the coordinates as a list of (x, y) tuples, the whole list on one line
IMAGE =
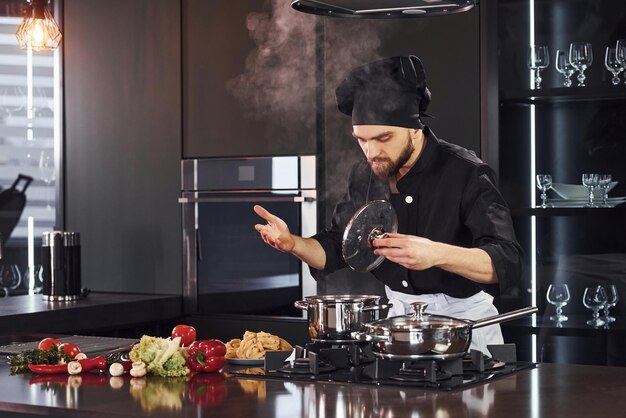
[(333, 318), (420, 336)]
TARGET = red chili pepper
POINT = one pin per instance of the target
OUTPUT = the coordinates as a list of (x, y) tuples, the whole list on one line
[(206, 355), (87, 364), (207, 389), (96, 363)]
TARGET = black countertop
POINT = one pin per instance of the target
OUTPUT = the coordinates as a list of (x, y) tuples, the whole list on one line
[(31, 314), (550, 390)]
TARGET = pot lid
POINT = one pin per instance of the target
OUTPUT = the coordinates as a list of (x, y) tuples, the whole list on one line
[(382, 9), (370, 222), (418, 320)]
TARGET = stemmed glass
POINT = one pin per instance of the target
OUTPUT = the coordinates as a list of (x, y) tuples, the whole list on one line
[(620, 54), (595, 299), (563, 66), (604, 182), (581, 57), (538, 59), (613, 298), (558, 295), (544, 183), (611, 64), (37, 274), (590, 181), (10, 278)]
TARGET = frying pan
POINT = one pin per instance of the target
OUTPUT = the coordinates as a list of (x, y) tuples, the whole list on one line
[(12, 202)]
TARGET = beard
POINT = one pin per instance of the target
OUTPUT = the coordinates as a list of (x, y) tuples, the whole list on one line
[(386, 167)]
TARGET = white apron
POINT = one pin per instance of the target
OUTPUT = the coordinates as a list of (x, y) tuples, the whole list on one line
[(475, 307)]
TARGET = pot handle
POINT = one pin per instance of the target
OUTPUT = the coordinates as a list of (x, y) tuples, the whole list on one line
[(301, 304), (377, 307), (508, 316), (365, 336)]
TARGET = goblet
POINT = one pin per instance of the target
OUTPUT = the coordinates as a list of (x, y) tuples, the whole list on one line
[(604, 182), (595, 299), (36, 276), (620, 54), (10, 278), (558, 295), (613, 298), (581, 58), (590, 181), (611, 64), (563, 66), (544, 183), (538, 59)]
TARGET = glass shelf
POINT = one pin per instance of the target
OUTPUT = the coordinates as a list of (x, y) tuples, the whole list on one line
[(564, 94), (615, 211)]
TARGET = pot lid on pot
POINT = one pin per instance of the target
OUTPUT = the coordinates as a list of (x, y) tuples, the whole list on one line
[(370, 222), (342, 298), (382, 9)]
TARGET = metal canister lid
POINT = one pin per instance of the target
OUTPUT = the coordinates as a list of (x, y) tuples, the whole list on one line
[(68, 239)]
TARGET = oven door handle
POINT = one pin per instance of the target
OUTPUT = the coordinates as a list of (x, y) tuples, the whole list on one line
[(296, 199)]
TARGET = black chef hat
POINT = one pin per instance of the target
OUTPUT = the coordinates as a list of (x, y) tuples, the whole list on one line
[(390, 92)]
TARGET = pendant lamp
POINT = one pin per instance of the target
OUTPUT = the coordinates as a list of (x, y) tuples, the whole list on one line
[(38, 30)]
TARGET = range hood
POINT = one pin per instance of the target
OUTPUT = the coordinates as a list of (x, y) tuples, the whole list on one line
[(382, 9)]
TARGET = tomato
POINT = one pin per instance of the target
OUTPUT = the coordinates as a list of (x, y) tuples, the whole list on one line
[(47, 343), (187, 334), (70, 349)]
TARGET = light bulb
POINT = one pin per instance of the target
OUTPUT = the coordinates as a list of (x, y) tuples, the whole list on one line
[(38, 30)]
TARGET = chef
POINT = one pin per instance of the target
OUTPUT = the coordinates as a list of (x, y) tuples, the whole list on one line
[(455, 247)]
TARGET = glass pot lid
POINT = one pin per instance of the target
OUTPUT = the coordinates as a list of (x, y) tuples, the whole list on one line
[(370, 222), (418, 320)]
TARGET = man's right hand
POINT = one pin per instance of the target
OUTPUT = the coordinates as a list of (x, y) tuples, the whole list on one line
[(276, 232)]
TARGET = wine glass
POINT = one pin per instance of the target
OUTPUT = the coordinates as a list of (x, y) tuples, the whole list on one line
[(10, 278), (590, 181), (563, 66), (613, 298), (538, 59), (35, 273), (558, 295), (611, 64), (595, 298), (604, 182), (544, 183), (620, 54), (581, 58)]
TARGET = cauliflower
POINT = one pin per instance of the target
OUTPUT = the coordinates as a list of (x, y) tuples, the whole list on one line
[(163, 356)]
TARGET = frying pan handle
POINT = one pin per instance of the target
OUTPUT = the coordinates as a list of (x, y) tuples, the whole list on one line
[(27, 179), (301, 304), (509, 316)]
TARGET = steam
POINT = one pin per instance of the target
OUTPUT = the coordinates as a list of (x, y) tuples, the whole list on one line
[(279, 76)]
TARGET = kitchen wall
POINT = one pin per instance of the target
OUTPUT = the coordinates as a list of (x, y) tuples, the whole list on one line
[(123, 141)]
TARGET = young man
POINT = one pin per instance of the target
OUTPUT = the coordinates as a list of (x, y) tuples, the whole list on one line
[(455, 237)]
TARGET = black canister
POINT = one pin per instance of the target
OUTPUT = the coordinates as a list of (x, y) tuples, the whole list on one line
[(61, 265)]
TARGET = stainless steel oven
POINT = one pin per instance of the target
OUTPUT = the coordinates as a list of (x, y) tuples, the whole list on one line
[(227, 266)]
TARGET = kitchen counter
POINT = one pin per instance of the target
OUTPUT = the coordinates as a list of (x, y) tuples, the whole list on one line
[(98, 311), (549, 390)]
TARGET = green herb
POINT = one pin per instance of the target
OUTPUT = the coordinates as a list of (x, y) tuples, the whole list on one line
[(19, 362)]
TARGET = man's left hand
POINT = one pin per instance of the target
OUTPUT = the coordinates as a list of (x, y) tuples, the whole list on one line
[(412, 252)]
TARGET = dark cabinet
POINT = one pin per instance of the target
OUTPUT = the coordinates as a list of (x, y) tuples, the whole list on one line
[(249, 79), (565, 132)]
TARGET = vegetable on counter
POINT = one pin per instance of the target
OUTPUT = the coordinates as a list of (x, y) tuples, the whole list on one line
[(47, 343), (187, 334), (73, 367), (162, 356), (206, 356), (19, 362), (70, 349)]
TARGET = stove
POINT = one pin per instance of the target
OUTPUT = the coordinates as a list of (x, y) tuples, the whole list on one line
[(356, 363)]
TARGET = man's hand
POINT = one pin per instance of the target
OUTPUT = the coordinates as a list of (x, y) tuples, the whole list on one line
[(414, 253), (276, 232), (418, 253)]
